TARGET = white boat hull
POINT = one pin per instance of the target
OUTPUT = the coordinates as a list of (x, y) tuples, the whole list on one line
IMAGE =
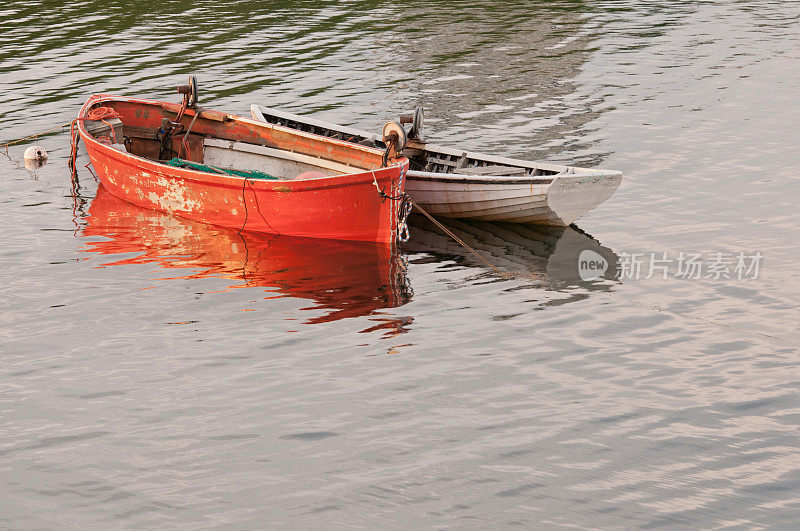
[(548, 200)]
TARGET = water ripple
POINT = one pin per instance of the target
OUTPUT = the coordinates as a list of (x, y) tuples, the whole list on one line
[(159, 373)]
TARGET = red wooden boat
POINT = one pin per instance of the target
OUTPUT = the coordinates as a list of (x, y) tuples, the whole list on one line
[(236, 172)]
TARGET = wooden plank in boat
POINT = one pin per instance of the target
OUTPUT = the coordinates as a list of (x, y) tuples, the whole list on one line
[(437, 160), (234, 159), (492, 170), (98, 128), (212, 115), (208, 114), (150, 133), (276, 116)]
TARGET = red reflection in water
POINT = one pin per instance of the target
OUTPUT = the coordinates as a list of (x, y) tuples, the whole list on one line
[(350, 279)]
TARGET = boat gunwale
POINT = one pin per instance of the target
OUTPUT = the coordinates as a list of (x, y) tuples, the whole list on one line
[(478, 179)]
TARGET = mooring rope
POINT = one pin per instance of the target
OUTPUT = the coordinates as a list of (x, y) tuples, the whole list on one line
[(34, 136), (504, 274), (98, 114)]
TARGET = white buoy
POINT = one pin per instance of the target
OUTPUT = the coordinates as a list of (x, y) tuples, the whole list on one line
[(35, 153), (35, 157)]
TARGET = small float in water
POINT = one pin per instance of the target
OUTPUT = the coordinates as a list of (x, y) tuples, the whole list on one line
[(454, 183), (236, 172), (35, 157)]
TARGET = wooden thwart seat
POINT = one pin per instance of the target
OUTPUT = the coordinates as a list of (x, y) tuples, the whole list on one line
[(491, 170)]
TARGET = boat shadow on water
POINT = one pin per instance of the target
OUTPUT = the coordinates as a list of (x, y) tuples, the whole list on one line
[(552, 258), (342, 278)]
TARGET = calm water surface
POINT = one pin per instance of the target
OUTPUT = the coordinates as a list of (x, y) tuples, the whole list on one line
[(156, 372)]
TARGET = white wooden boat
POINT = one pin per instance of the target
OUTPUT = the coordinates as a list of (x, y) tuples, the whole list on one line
[(454, 183)]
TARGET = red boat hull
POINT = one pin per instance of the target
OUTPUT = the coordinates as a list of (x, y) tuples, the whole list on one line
[(346, 207)]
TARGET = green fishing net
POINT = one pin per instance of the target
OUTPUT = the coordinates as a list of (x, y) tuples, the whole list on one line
[(181, 163)]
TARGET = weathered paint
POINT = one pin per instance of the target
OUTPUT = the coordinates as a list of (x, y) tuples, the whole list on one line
[(346, 207)]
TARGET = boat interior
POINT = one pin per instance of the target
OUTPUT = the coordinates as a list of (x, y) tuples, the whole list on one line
[(215, 142), (423, 157)]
